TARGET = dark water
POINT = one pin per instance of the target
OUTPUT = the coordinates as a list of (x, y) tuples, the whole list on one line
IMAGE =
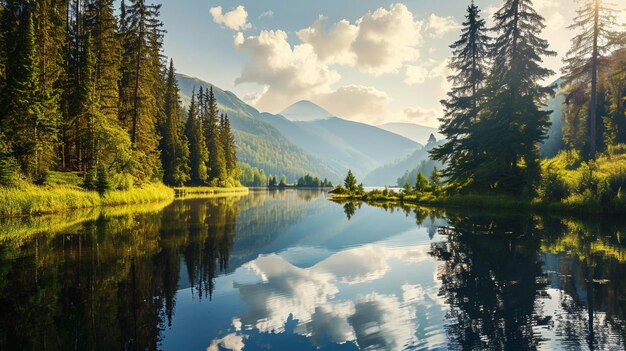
[(293, 271)]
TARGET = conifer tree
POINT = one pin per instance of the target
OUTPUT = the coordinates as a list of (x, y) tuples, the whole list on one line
[(142, 83), (174, 151), (584, 61), (198, 155), (469, 62), (102, 25), (350, 181), (32, 131), (511, 124), (228, 141), (217, 162)]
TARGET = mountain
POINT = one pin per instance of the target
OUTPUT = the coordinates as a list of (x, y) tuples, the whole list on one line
[(415, 132), (388, 174), (259, 143), (344, 144), (305, 111)]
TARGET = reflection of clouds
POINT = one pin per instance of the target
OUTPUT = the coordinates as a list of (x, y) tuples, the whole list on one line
[(285, 290), (381, 323), (373, 320), (231, 342)]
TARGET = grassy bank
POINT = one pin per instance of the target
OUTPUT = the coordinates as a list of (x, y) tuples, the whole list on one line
[(29, 199), (580, 205), (203, 191)]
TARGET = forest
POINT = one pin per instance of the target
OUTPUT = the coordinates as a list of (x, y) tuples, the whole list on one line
[(85, 88)]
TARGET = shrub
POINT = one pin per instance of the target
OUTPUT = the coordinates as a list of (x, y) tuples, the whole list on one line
[(552, 187)]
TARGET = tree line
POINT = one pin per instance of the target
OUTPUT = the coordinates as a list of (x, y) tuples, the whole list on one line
[(85, 87), (494, 114)]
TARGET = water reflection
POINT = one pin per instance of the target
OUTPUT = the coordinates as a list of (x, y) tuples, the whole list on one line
[(292, 270)]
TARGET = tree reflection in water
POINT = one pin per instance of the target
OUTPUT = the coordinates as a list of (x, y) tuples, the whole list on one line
[(111, 283), (526, 282), (504, 281)]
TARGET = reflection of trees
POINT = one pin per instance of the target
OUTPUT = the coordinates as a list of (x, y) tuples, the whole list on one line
[(110, 283), (493, 280), (489, 279)]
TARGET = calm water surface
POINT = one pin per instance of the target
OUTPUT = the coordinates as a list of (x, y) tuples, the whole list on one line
[(293, 271)]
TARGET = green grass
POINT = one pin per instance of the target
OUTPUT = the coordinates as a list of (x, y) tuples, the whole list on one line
[(27, 199)]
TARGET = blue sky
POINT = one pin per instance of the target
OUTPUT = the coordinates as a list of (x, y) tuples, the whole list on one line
[(366, 60)]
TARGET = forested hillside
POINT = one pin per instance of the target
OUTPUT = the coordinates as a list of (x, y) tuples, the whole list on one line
[(259, 144)]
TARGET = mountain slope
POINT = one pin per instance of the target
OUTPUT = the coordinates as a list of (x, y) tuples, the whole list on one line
[(415, 132), (259, 143), (305, 111), (343, 144)]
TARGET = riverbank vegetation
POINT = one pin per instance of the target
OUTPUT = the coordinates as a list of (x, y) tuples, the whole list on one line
[(87, 94), (495, 118)]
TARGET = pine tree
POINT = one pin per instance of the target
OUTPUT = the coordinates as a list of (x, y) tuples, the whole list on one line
[(469, 62), (350, 182), (198, 154), (584, 61), (174, 152), (102, 25), (230, 153), (217, 162), (510, 124), (142, 84), (31, 129)]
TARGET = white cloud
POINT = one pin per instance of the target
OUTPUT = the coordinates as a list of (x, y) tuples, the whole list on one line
[(290, 73), (437, 26), (267, 14), (416, 74), (357, 102), (236, 19), (377, 43), (331, 46), (231, 342), (387, 39)]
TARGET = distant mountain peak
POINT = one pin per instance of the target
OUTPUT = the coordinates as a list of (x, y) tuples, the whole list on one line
[(305, 110)]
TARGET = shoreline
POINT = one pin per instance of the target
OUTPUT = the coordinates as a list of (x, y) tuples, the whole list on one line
[(32, 200), (489, 202)]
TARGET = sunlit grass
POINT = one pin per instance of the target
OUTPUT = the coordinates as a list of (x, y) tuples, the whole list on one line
[(27, 200)]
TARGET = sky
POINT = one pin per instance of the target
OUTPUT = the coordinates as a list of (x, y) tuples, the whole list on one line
[(364, 60)]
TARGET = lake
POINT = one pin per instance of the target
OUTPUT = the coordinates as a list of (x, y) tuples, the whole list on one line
[(291, 270)]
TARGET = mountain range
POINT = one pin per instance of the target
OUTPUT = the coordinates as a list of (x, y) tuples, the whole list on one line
[(305, 138)]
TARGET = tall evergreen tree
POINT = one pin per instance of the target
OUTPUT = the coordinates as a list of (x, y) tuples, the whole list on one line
[(198, 154), (469, 62), (102, 25), (142, 83), (217, 161), (174, 149), (585, 59), (32, 130), (511, 124), (230, 152)]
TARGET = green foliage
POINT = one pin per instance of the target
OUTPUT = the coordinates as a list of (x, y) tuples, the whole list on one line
[(102, 181), (89, 180), (350, 182), (422, 184), (552, 187), (309, 181), (173, 145), (252, 176)]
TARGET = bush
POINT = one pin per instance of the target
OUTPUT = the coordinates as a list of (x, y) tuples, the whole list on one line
[(552, 187)]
